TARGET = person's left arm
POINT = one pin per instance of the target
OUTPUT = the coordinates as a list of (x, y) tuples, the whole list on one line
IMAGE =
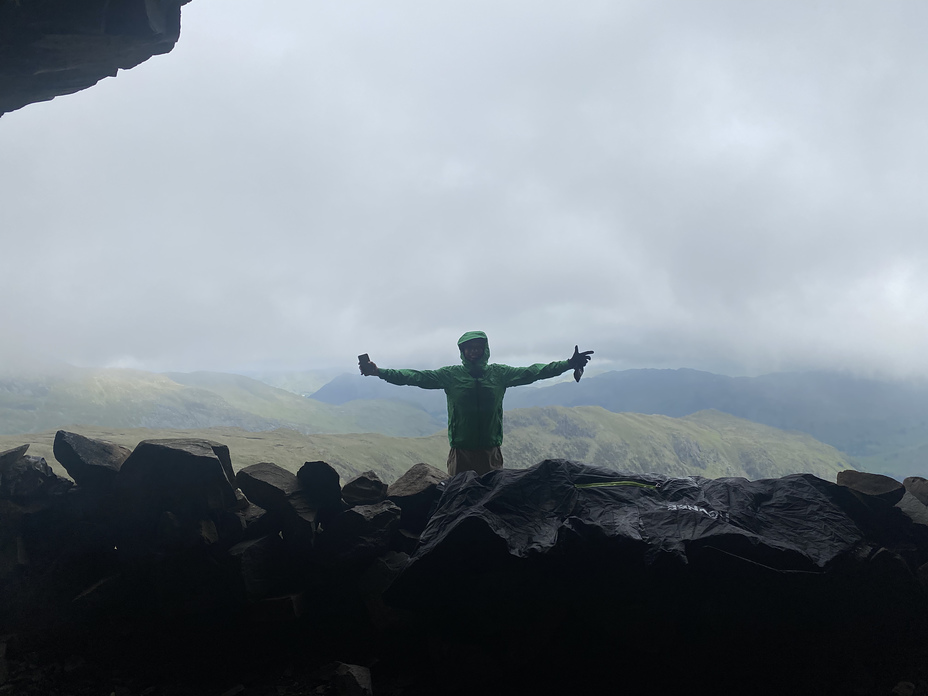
[(517, 376)]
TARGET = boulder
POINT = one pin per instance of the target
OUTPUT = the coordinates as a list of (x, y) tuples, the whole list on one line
[(187, 478), (364, 489), (53, 536), (267, 485), (29, 477), (913, 508), (359, 533), (12, 548), (372, 582), (352, 680), (300, 521), (256, 522), (176, 534), (917, 486), (12, 455), (57, 47), (877, 485), (261, 565), (417, 492), (321, 486), (91, 463)]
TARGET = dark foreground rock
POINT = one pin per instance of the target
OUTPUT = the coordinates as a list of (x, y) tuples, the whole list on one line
[(876, 485), (24, 477), (364, 489), (57, 47), (559, 579), (91, 463)]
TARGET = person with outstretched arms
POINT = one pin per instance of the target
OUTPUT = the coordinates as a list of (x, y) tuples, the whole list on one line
[(475, 390)]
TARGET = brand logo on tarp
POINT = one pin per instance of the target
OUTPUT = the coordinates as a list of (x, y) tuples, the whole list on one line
[(714, 514)]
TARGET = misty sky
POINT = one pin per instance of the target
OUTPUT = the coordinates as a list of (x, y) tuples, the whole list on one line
[(733, 186)]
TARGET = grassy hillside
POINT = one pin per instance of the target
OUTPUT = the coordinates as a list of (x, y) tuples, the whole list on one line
[(709, 444), (880, 423), (302, 382), (137, 399)]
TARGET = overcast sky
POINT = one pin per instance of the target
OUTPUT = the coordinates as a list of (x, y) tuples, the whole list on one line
[(732, 186)]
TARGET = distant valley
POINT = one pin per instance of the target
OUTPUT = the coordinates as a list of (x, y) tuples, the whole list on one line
[(677, 422), (710, 444), (882, 426)]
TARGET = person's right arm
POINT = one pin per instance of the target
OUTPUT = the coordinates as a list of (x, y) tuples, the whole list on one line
[(424, 379)]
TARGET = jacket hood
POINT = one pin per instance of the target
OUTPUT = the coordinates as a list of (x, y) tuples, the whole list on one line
[(475, 368)]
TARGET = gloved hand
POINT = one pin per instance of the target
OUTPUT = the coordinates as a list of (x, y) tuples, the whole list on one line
[(368, 369), (579, 360)]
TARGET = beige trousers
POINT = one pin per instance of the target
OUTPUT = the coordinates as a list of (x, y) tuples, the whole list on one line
[(480, 461)]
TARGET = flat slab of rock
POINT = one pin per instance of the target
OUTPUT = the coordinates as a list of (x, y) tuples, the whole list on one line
[(917, 486), (267, 485), (27, 477), (360, 532), (185, 477), (262, 565), (364, 489), (13, 455), (353, 680), (877, 485), (416, 492), (92, 463), (913, 508)]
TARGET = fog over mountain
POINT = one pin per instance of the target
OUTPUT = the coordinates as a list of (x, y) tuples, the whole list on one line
[(727, 186)]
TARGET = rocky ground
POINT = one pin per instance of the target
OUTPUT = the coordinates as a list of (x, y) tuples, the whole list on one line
[(163, 572)]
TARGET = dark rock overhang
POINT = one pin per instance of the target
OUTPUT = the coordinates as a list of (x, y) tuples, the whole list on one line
[(54, 47)]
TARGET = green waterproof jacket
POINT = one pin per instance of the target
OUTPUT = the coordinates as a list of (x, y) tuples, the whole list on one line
[(475, 393)]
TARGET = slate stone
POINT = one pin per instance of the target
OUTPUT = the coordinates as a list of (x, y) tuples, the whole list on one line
[(57, 47), (261, 565), (12, 455), (877, 485), (353, 680), (360, 532), (185, 477), (241, 502), (321, 486), (257, 522), (30, 477), (267, 485), (91, 463), (914, 508), (174, 533), (300, 521), (372, 582), (917, 486), (416, 492), (364, 489)]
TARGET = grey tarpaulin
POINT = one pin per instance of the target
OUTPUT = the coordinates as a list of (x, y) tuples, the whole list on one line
[(593, 576), (503, 535), (793, 522)]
